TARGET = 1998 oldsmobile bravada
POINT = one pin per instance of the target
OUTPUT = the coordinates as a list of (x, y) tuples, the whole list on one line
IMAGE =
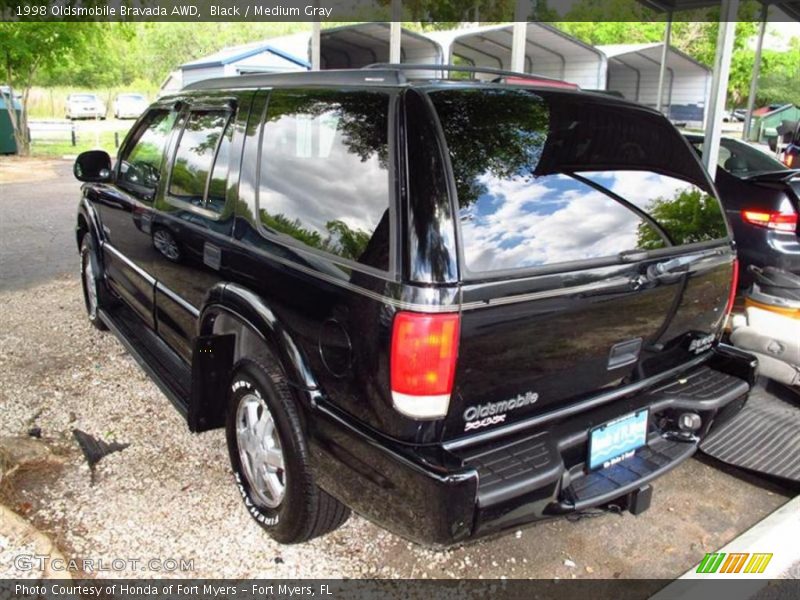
[(452, 306)]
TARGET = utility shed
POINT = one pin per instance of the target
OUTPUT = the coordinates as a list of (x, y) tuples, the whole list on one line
[(258, 57), (548, 52), (633, 72), (766, 121)]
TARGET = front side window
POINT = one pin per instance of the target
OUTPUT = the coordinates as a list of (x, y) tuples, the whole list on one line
[(140, 164), (197, 178), (542, 179), (324, 177)]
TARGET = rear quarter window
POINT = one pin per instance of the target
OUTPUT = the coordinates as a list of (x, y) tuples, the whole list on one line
[(324, 174), (546, 178)]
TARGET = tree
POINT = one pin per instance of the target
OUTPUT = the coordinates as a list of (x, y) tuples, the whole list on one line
[(26, 49)]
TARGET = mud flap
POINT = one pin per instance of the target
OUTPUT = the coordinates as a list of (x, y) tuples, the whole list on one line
[(211, 364), (764, 436)]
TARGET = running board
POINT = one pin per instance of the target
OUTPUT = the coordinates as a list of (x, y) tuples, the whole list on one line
[(159, 361), (764, 437)]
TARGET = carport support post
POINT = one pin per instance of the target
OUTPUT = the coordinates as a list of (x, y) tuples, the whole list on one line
[(394, 32), (662, 70), (719, 84), (520, 33), (315, 44), (751, 98)]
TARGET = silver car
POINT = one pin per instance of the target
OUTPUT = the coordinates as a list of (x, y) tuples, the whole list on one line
[(84, 106), (129, 106)]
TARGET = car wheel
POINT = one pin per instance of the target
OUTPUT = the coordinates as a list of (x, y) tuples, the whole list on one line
[(270, 458), (94, 296), (167, 245)]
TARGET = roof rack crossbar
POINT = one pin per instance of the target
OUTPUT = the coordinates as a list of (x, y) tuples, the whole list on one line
[(459, 69)]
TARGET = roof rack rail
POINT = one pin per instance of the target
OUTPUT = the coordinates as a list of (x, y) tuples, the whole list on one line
[(459, 69)]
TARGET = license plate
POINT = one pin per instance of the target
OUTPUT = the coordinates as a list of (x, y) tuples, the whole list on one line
[(617, 440)]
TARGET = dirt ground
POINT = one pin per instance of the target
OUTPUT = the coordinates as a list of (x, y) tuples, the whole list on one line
[(169, 494)]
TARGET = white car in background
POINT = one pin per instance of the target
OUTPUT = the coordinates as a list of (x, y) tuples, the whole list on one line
[(129, 106), (84, 106)]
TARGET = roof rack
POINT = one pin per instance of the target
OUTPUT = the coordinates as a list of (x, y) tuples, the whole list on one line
[(459, 69)]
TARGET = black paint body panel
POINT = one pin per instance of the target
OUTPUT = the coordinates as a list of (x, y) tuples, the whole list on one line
[(328, 321)]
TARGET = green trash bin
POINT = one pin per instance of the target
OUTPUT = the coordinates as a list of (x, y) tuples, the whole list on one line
[(8, 145)]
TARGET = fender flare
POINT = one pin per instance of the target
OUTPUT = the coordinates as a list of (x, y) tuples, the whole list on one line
[(251, 312), (89, 215)]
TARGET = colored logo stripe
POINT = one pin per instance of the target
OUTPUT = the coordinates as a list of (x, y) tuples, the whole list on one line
[(758, 563), (733, 562), (711, 562)]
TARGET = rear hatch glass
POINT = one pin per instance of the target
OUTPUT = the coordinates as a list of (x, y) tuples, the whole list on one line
[(568, 205)]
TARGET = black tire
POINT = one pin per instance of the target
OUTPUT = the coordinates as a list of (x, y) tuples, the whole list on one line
[(100, 299), (305, 511)]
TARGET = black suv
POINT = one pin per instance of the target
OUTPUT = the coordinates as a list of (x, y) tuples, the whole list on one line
[(454, 306)]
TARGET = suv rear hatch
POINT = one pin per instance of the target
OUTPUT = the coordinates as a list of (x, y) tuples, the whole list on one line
[(593, 252)]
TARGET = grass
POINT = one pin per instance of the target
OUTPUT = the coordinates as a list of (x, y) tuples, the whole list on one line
[(86, 141)]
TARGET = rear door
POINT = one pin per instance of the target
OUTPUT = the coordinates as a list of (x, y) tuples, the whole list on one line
[(193, 219), (593, 251)]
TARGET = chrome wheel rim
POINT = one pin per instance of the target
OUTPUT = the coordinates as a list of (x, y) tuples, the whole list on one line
[(260, 452), (165, 244), (91, 286)]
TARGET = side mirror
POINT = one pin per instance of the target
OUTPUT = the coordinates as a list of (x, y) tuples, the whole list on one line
[(93, 166)]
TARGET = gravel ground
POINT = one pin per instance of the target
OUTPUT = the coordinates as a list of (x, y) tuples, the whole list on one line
[(169, 495)]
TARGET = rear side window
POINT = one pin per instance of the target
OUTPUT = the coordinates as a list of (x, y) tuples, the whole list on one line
[(324, 177), (200, 168), (545, 179)]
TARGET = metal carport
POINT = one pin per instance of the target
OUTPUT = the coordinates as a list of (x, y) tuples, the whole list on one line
[(633, 71), (547, 51), (355, 46)]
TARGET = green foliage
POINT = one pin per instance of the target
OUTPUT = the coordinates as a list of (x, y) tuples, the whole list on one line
[(27, 49), (780, 76), (341, 239), (692, 216)]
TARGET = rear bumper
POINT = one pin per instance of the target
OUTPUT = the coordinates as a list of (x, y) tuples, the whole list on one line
[(437, 496)]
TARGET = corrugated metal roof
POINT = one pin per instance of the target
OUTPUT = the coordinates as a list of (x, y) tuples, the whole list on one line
[(234, 54)]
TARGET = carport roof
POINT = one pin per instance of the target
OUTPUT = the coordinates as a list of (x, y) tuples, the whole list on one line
[(372, 39), (488, 38), (651, 55), (234, 54)]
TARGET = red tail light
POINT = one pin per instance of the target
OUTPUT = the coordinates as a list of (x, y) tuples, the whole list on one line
[(771, 219), (734, 286), (423, 363), (789, 160)]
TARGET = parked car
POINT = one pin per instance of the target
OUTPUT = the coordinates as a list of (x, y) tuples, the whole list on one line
[(129, 106), (453, 307), (732, 116), (84, 106), (761, 197)]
